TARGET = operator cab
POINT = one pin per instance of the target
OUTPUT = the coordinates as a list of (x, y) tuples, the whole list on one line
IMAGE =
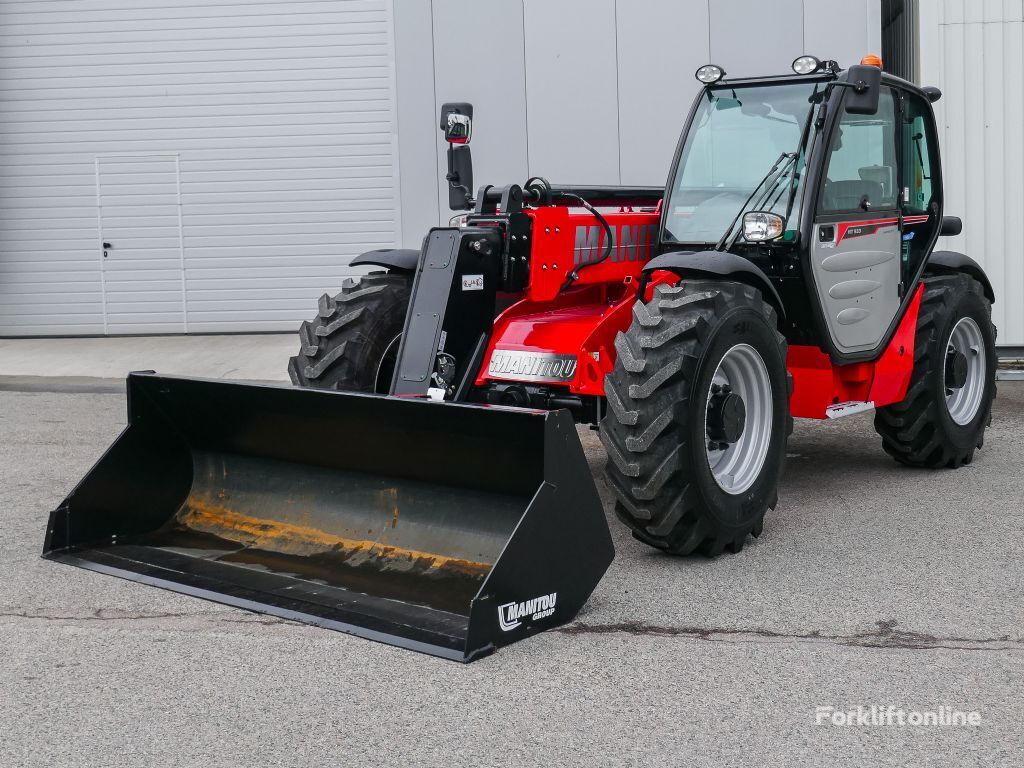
[(827, 181)]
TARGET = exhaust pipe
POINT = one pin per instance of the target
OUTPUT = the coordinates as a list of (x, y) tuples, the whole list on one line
[(443, 528)]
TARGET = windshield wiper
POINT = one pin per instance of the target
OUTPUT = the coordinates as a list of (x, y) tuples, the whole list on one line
[(779, 169)]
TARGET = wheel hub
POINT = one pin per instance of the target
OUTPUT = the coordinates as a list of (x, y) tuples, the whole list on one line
[(956, 369), (727, 415), (965, 371), (738, 419)]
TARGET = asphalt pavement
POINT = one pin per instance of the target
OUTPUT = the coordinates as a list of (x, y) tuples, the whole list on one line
[(872, 584)]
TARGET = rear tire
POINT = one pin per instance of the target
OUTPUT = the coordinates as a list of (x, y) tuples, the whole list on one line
[(938, 425), (352, 343), (658, 434)]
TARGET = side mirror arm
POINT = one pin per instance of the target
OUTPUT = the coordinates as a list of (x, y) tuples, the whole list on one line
[(858, 87), (460, 177)]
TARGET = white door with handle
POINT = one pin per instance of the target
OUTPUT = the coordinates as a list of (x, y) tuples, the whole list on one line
[(140, 245)]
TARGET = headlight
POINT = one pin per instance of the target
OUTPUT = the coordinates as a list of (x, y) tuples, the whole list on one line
[(805, 65), (759, 227), (709, 73)]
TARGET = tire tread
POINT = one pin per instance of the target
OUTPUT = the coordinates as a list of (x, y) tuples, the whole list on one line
[(648, 395), (911, 430), (344, 340)]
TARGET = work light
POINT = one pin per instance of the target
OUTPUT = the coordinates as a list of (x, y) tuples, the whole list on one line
[(710, 73), (760, 226), (805, 65)]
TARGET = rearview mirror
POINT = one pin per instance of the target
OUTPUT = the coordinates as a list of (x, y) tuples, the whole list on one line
[(865, 83), (951, 226), (457, 122)]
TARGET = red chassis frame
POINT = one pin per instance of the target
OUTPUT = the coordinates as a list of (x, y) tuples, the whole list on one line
[(585, 320)]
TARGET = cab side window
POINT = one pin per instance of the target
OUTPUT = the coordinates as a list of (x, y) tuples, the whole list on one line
[(918, 155), (862, 168)]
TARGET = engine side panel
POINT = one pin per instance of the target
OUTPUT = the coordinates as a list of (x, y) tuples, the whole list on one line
[(566, 344), (565, 239)]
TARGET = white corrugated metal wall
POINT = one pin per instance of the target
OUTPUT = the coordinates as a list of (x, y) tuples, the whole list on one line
[(587, 91), (234, 154), (974, 52), (243, 152)]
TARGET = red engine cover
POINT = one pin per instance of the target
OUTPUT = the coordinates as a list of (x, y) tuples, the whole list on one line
[(577, 326), (569, 335)]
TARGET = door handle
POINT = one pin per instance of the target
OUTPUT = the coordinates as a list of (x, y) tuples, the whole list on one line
[(106, 247)]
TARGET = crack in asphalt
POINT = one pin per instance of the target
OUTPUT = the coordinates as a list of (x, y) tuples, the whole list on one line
[(886, 634)]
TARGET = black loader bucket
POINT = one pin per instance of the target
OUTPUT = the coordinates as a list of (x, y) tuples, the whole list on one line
[(448, 529)]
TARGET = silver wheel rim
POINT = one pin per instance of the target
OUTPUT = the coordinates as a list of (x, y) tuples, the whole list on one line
[(963, 403), (736, 467)]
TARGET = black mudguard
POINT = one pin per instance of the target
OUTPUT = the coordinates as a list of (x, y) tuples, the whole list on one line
[(718, 264), (951, 261), (395, 259)]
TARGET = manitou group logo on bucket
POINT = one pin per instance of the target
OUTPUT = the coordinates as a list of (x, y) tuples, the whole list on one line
[(510, 615)]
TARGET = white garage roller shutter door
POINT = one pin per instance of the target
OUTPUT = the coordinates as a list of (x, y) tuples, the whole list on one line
[(234, 156)]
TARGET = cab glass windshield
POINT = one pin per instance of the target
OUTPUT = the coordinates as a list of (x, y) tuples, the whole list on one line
[(737, 135)]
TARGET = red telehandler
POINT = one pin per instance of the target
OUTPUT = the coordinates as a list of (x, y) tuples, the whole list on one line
[(425, 485)]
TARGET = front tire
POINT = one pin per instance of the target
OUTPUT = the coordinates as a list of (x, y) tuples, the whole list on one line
[(941, 421), (352, 343), (693, 468)]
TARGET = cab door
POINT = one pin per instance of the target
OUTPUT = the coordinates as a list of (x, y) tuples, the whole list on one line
[(856, 248), (921, 184)]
